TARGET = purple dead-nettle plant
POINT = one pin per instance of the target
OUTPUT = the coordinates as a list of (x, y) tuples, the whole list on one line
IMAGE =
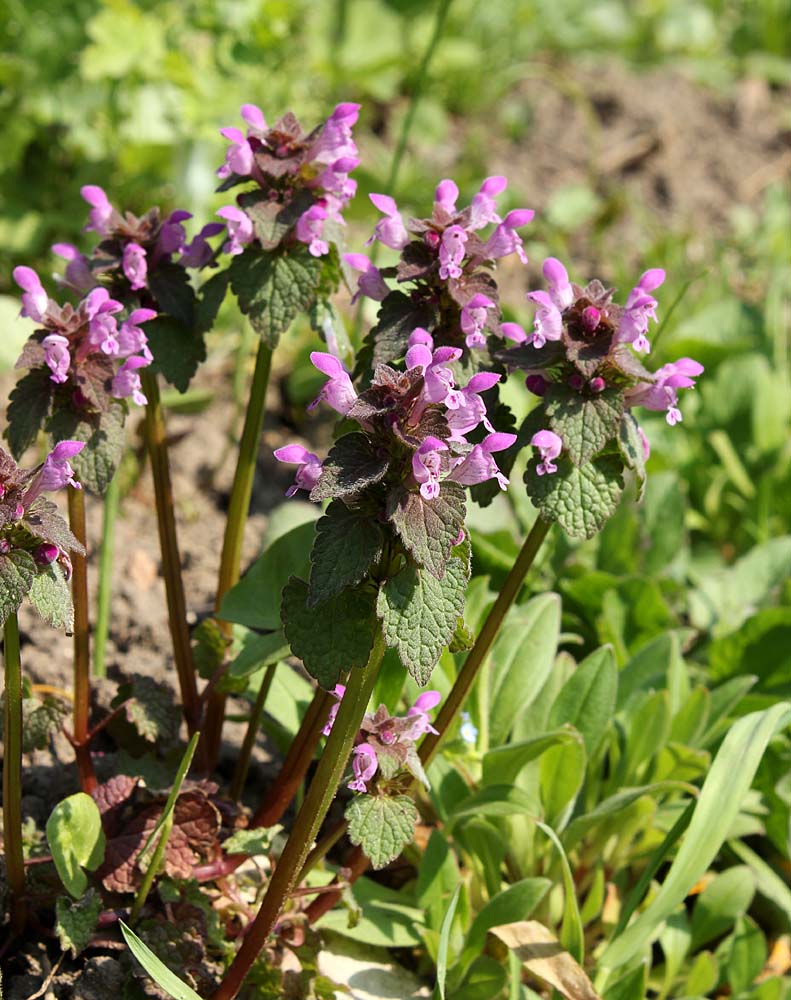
[(581, 360), (35, 541), (444, 281)]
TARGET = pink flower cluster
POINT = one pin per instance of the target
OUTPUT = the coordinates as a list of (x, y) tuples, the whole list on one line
[(385, 742), (449, 245), (74, 335), (284, 163), (433, 460), (142, 244)]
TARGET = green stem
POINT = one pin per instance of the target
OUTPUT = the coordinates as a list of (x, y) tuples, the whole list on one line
[(112, 499), (309, 819), (243, 763), (238, 508), (295, 766), (452, 705), (156, 442), (82, 644), (12, 774), (152, 871)]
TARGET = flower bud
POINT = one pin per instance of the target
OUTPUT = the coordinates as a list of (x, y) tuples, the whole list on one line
[(597, 384), (46, 553), (591, 317), (537, 384), (576, 382)]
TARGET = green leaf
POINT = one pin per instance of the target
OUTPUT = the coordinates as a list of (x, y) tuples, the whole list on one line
[(586, 423), (384, 919), (429, 528), (332, 637), (210, 297), (571, 934), (388, 340), (382, 825), (587, 699), (76, 840), (28, 408), (42, 719), (522, 659), (579, 499), (746, 955), (494, 800), (353, 464), (630, 444), (721, 797), (420, 613), (514, 903), (562, 771), (504, 763), (170, 286), (274, 287), (17, 572), (151, 709), (258, 651), (177, 350), (726, 898), (347, 543), (255, 600), (762, 646), (104, 439), (252, 842), (158, 971), (444, 941), (271, 220), (630, 986), (615, 804), (76, 921), (50, 595)]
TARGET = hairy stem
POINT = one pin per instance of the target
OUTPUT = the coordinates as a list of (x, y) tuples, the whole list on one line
[(156, 442), (12, 774), (309, 819), (238, 508), (82, 641), (253, 725), (452, 705), (112, 499), (297, 762)]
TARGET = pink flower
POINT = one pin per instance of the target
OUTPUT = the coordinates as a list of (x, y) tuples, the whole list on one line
[(505, 240), (254, 117), (513, 331), (420, 336), (427, 465), (484, 208), (57, 357), (445, 196), (662, 393), (438, 380), (131, 339), (451, 252), (479, 466), (78, 271), (127, 382), (473, 320), (309, 230), (309, 467), (549, 446), (46, 553), (364, 766), (391, 229), (419, 712), (101, 212), (370, 283), (338, 392), (172, 235), (35, 300), (240, 229), (548, 322), (238, 156), (135, 266), (56, 472), (339, 691), (466, 409), (640, 309), (199, 253), (560, 291), (335, 141)]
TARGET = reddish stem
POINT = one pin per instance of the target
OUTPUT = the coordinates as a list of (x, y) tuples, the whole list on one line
[(82, 638)]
